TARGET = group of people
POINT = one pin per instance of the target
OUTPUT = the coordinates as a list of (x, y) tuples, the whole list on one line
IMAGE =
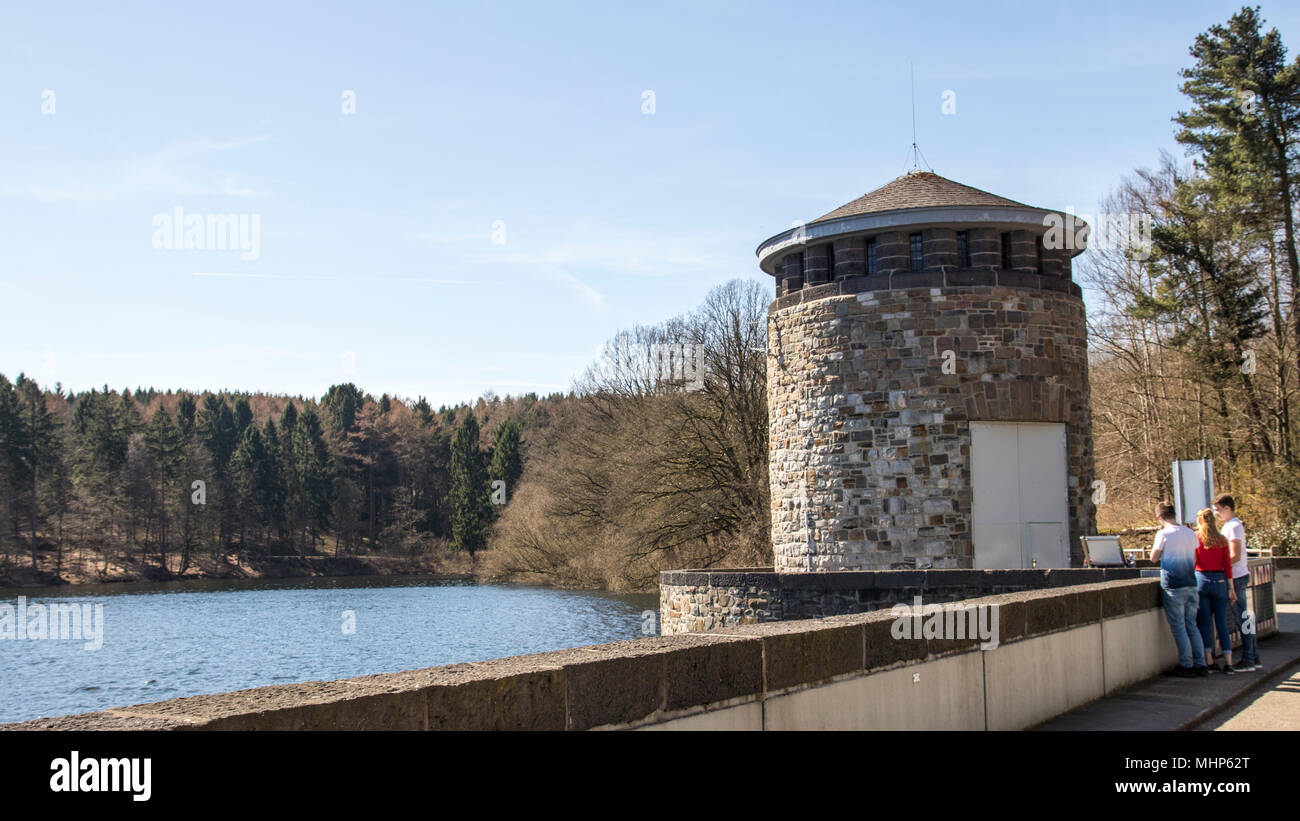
[(1204, 574)]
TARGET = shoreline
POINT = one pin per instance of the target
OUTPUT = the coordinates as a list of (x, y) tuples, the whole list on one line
[(91, 571)]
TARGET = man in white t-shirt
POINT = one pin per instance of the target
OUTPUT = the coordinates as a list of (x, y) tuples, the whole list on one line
[(1235, 532), (1175, 549)]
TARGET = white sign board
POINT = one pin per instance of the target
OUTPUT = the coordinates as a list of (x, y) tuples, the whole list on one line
[(1103, 550), (1193, 488)]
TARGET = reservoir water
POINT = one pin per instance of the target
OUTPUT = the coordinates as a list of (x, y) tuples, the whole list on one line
[(174, 639)]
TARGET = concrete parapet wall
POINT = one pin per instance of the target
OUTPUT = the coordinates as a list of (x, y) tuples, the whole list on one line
[(1287, 579), (702, 600), (1058, 648)]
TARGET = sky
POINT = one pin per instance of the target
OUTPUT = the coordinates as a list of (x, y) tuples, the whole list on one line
[(442, 200)]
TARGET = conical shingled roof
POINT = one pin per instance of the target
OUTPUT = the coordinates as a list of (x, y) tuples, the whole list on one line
[(918, 189)]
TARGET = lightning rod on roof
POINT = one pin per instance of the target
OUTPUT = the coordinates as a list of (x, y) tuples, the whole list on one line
[(917, 156)]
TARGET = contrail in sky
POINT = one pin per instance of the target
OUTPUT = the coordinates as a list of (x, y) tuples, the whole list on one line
[(338, 278)]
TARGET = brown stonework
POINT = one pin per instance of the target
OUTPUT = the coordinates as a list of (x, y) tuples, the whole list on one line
[(939, 246), (879, 374), (817, 264), (850, 257), (891, 252), (985, 248), (1024, 252), (790, 277), (871, 436)]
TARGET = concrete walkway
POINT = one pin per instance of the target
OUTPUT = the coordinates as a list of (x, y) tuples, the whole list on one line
[(1265, 699), (1276, 708)]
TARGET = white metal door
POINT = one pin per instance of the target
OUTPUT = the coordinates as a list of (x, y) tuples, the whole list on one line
[(995, 476), (1043, 506), (1019, 510)]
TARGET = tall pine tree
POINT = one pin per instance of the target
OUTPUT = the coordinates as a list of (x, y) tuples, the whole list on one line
[(1244, 128), (507, 462), (470, 506)]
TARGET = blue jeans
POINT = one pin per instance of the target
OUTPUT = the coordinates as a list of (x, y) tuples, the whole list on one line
[(1213, 590), (1249, 648), (1180, 609)]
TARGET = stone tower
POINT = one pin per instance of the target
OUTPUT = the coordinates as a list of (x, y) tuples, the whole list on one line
[(928, 384)]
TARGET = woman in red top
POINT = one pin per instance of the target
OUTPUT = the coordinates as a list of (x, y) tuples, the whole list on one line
[(1212, 563)]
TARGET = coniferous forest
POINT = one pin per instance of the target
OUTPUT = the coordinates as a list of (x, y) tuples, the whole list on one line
[(165, 480)]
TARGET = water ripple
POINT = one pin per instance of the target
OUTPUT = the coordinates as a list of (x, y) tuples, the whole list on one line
[(210, 637)]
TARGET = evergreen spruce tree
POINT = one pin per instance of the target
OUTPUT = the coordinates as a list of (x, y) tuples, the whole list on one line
[(35, 453), (272, 474), (469, 501), (1207, 284), (11, 450), (243, 416), (312, 462), (248, 479), (163, 443), (507, 463), (293, 505), (127, 420), (340, 405), (59, 490), (215, 425), (185, 410), (424, 412)]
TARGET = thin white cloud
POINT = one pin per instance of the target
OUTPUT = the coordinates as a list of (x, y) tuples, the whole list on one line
[(179, 168), (553, 385), (367, 278), (587, 293), (446, 238), (541, 265), (178, 149), (631, 256), (54, 193)]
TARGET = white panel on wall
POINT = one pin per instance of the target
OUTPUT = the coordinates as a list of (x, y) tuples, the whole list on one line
[(1019, 512), (995, 477), (1043, 506)]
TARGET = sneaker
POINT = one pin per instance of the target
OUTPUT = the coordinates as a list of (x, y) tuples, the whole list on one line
[(1244, 667), (1226, 670), (1202, 671), (1184, 672)]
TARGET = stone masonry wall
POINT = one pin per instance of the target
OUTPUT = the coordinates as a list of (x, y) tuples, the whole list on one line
[(703, 602), (694, 601), (870, 436)]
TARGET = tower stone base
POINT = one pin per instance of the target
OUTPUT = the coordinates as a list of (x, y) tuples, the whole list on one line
[(871, 395)]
